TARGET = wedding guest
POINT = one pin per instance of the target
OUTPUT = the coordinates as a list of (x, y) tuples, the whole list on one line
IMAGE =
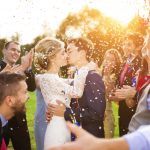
[(11, 54), (13, 96), (110, 69), (133, 42), (142, 114), (40, 123)]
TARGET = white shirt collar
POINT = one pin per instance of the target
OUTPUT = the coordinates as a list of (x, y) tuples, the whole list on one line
[(3, 120)]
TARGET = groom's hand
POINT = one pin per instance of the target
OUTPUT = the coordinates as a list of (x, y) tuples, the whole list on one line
[(55, 109), (59, 108), (49, 115)]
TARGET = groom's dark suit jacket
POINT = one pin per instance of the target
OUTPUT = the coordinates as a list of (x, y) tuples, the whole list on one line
[(18, 123), (90, 108)]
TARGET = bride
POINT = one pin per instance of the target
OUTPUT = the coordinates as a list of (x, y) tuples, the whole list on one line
[(49, 57)]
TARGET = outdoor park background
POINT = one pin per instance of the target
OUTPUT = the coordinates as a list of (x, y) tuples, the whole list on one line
[(28, 21)]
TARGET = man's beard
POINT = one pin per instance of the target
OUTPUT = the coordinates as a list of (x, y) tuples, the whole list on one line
[(19, 109)]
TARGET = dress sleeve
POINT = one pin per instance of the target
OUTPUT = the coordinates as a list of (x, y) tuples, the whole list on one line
[(76, 90), (45, 83), (68, 81), (58, 85)]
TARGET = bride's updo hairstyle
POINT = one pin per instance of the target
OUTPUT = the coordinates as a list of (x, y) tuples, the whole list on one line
[(45, 50)]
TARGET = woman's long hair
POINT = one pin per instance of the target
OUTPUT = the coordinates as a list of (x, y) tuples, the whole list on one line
[(118, 59)]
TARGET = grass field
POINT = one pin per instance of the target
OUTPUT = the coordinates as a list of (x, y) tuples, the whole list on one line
[(31, 107)]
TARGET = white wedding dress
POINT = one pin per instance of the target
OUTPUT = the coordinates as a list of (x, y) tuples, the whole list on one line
[(55, 88)]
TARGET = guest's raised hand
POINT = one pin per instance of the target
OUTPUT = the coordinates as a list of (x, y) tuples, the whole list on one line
[(14, 69), (26, 60), (31, 57), (7, 68), (127, 92), (114, 98)]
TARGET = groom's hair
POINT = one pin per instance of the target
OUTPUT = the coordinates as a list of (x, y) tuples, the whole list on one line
[(83, 44)]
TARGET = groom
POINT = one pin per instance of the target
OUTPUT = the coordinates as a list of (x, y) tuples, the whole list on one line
[(89, 109)]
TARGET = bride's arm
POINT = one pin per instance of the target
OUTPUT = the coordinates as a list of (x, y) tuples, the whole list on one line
[(68, 81), (76, 90)]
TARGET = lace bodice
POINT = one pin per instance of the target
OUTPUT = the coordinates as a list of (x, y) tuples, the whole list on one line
[(55, 88)]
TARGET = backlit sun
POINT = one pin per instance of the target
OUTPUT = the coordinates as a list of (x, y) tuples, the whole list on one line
[(123, 10)]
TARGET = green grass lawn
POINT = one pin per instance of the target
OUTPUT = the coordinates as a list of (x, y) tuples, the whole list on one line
[(115, 111), (31, 106)]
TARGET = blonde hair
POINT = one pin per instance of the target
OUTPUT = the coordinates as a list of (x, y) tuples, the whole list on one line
[(118, 59), (116, 53), (45, 50)]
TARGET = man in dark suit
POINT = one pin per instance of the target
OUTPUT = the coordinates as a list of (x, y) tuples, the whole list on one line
[(89, 109), (17, 126), (132, 45), (13, 96)]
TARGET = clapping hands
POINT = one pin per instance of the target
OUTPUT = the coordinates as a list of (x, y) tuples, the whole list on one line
[(126, 92), (26, 60)]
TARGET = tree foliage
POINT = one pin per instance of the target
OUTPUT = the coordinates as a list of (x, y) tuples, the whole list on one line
[(103, 31)]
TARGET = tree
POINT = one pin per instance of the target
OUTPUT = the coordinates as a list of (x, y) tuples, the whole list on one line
[(15, 37), (137, 24), (104, 32), (2, 42), (28, 47), (85, 20)]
